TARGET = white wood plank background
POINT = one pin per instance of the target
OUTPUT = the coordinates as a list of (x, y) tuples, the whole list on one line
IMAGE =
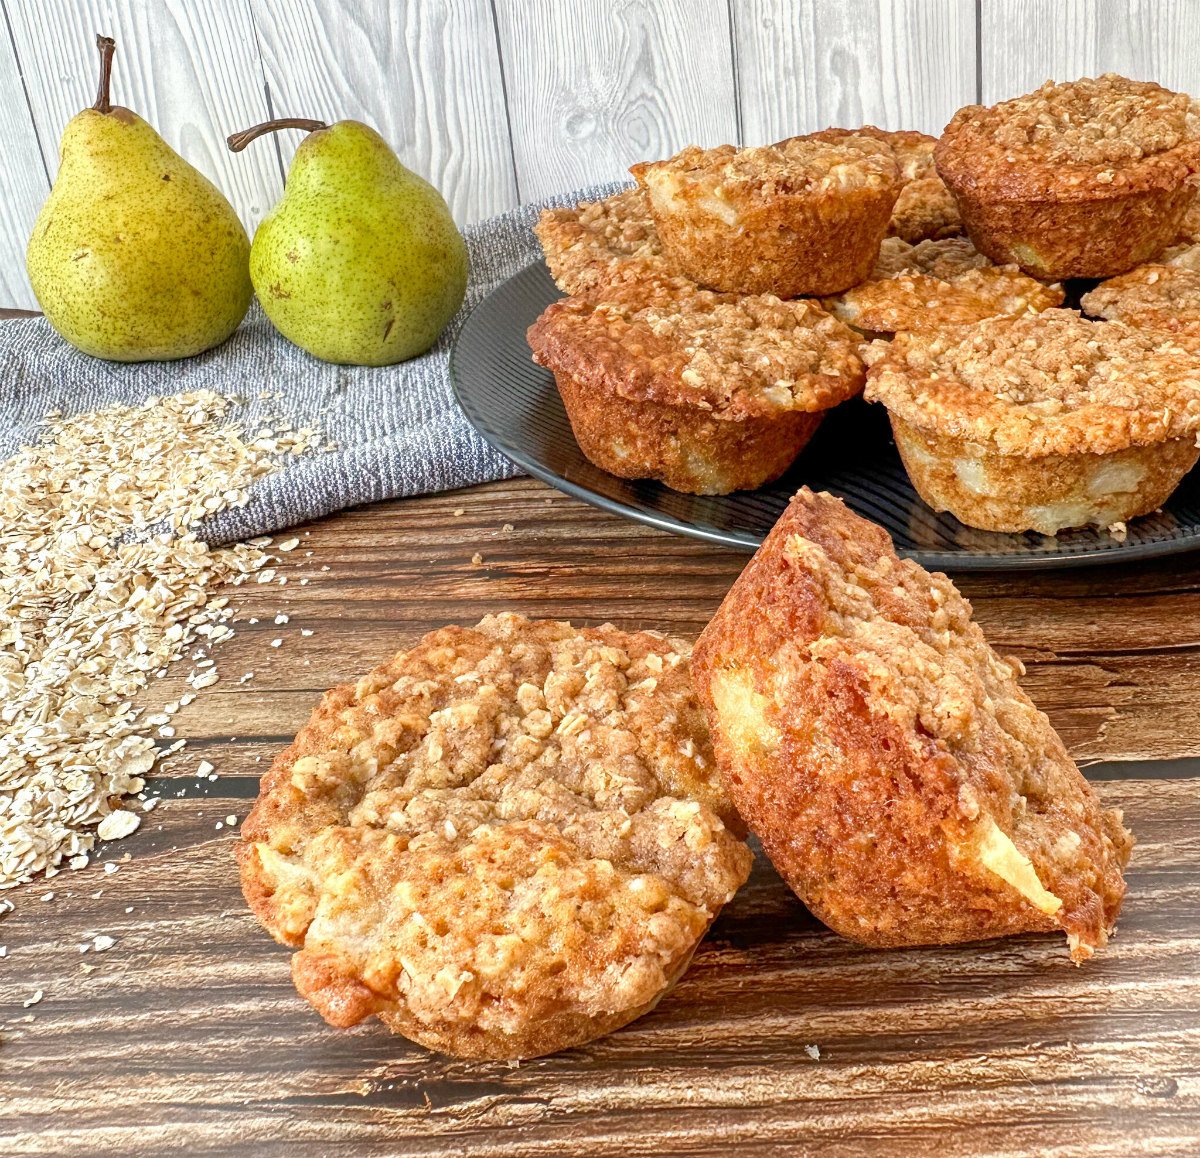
[(500, 101)]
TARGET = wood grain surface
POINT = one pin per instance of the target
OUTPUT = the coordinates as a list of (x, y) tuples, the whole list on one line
[(1024, 42), (594, 86), (191, 70), (24, 182), (186, 1035), (427, 76), (804, 66)]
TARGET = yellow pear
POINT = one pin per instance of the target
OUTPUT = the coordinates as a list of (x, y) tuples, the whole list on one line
[(136, 255), (360, 260)]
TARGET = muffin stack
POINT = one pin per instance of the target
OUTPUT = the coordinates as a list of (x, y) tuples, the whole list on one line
[(722, 306)]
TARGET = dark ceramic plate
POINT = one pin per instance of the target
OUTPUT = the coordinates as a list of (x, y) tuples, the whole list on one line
[(515, 406)]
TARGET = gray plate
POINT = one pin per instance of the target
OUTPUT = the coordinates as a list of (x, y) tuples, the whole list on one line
[(515, 406)]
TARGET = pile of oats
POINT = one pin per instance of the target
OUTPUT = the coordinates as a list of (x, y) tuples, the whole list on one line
[(102, 586)]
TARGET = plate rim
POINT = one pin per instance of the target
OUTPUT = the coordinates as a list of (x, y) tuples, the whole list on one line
[(748, 541)]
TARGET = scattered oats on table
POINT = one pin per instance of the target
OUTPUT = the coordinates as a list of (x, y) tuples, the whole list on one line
[(103, 584)]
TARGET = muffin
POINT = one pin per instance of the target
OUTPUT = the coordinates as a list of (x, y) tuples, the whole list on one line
[(925, 210), (593, 241), (1161, 296), (1042, 422), (935, 284), (706, 392), (804, 216), (505, 841), (886, 757), (1086, 179)]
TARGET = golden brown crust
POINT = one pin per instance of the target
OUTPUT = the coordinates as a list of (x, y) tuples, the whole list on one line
[(936, 284), (1163, 297), (804, 216), (1085, 179), (706, 392), (1043, 384), (925, 210), (503, 842), (896, 774), (592, 242)]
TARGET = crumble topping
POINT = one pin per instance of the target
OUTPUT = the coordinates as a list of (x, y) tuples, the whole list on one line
[(1049, 383), (504, 822), (734, 354), (1152, 297), (1092, 121), (798, 165), (935, 284), (592, 241)]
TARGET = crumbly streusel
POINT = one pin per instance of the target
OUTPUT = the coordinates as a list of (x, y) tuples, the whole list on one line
[(897, 775), (1163, 297), (1041, 384), (796, 165), (936, 284), (589, 243), (1106, 120), (505, 841), (732, 354)]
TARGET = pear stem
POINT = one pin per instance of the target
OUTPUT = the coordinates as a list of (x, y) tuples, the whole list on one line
[(107, 47), (238, 141)]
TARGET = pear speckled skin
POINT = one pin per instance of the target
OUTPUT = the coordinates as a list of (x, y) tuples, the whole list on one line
[(136, 256), (360, 261)]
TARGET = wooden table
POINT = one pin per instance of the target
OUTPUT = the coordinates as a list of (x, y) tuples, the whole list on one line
[(187, 1035)]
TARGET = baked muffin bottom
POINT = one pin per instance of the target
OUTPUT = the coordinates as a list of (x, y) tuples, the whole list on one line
[(684, 447), (1052, 239), (1002, 492)]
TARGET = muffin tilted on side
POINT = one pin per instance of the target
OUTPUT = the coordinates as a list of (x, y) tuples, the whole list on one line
[(506, 841), (1042, 422), (898, 777), (706, 392), (801, 217), (1083, 179)]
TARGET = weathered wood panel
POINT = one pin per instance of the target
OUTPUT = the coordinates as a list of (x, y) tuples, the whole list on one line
[(191, 70), (1024, 42), (807, 64), (427, 76), (23, 182), (594, 86)]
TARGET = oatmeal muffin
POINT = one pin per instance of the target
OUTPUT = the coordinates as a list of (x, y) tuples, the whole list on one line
[(1161, 296), (898, 777), (594, 241), (1042, 422), (925, 210), (706, 392), (804, 216), (935, 284), (1086, 179), (506, 841)]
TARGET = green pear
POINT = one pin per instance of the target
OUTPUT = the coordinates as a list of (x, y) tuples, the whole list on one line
[(360, 260), (135, 256)]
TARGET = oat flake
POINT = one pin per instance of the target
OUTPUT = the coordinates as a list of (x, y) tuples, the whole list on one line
[(102, 584)]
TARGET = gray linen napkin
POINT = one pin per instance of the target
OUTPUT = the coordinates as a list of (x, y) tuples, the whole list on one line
[(397, 429)]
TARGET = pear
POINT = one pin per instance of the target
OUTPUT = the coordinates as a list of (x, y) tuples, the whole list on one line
[(135, 256), (360, 260)]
